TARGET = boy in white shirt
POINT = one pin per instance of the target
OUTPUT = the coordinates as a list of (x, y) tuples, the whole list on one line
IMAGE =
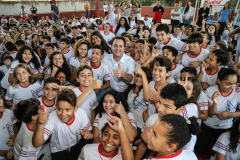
[(107, 34), (7, 63), (147, 21), (50, 48), (64, 48)]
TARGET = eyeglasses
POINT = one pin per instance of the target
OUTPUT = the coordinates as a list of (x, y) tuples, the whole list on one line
[(81, 49)]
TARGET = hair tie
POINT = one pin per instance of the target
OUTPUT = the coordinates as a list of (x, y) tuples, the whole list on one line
[(188, 121)]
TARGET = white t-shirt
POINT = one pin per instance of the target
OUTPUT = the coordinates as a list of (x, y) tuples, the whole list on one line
[(132, 23), (23, 148), (92, 152), (113, 18), (89, 103), (227, 103), (83, 20), (151, 106), (176, 72), (211, 79), (108, 36), (172, 36), (18, 93), (4, 69), (74, 62), (147, 23), (138, 15), (120, 31), (105, 8), (237, 38), (222, 146), (6, 124), (68, 55), (176, 12), (189, 13), (49, 108), (101, 72), (137, 105), (64, 135)]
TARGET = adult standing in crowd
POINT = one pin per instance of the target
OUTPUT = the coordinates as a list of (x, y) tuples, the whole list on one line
[(203, 13), (137, 11), (55, 11), (23, 13), (175, 15), (225, 13), (188, 13), (158, 11), (86, 9), (34, 14), (105, 8), (181, 8), (236, 22)]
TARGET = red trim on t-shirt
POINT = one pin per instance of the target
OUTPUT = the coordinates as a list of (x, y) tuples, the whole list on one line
[(24, 87), (226, 95), (29, 128), (72, 120), (213, 73), (66, 52), (106, 34), (80, 89), (95, 67), (168, 41), (46, 104), (197, 55), (107, 156), (206, 47), (175, 66), (171, 156), (134, 92)]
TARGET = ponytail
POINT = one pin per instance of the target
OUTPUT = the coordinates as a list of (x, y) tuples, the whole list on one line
[(193, 126)]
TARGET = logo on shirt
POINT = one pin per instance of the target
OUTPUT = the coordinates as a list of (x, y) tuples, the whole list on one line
[(10, 129), (230, 106), (34, 95)]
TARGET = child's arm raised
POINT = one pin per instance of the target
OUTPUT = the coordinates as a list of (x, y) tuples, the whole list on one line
[(38, 136), (117, 125), (212, 107)]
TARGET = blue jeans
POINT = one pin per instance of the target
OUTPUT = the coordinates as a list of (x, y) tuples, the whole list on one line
[(87, 14), (187, 22), (55, 18), (101, 93)]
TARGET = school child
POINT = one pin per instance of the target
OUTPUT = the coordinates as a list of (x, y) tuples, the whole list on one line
[(210, 69), (8, 132), (7, 63), (139, 44), (57, 60), (237, 38), (50, 33), (27, 111), (46, 40), (137, 29), (83, 19), (75, 32), (128, 39), (162, 32), (172, 99), (171, 53), (136, 96), (67, 125), (106, 33), (50, 48), (147, 56), (113, 103), (11, 50), (146, 33), (147, 21), (236, 68), (85, 77), (176, 33), (206, 40), (223, 102), (100, 70), (64, 48), (196, 54), (152, 41), (49, 94), (187, 33), (63, 76), (169, 135), (80, 56), (113, 136), (227, 145), (24, 85)]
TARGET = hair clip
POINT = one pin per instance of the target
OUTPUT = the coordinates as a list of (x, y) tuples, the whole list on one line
[(188, 121)]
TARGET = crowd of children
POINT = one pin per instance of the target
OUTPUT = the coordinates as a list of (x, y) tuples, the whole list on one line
[(118, 87)]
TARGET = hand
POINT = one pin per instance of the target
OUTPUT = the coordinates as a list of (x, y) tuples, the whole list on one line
[(43, 117), (119, 108), (118, 73), (11, 140), (228, 24), (55, 69), (204, 21), (96, 83), (155, 52), (205, 85), (224, 115), (147, 133), (142, 59), (115, 123), (238, 89), (145, 49), (184, 83), (9, 154), (194, 64), (215, 97), (155, 95), (86, 134), (59, 87), (203, 67), (138, 70), (135, 26), (145, 115)]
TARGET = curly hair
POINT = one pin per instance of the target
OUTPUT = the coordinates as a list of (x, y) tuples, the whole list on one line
[(234, 136)]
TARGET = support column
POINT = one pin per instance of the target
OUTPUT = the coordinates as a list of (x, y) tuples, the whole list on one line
[(97, 8)]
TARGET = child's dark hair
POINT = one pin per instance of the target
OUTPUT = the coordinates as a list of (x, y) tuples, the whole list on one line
[(176, 93), (82, 67), (195, 37), (20, 42), (118, 97), (222, 46), (34, 59), (63, 70), (152, 40), (206, 33), (224, 73), (65, 40), (197, 87), (162, 27), (104, 44), (68, 96), (47, 37), (8, 57), (10, 46), (163, 62), (171, 49), (25, 109), (180, 129), (190, 70), (98, 47), (234, 136), (50, 45), (51, 80), (222, 56), (104, 127), (128, 35)]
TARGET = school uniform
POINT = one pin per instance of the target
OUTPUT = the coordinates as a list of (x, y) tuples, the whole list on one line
[(108, 36), (7, 119), (93, 152), (74, 62), (68, 55), (176, 72), (211, 79), (49, 108)]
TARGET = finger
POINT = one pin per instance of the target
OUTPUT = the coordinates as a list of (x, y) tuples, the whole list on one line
[(93, 76), (119, 66), (45, 109), (82, 132)]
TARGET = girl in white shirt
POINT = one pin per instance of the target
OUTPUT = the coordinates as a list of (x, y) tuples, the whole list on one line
[(137, 11), (122, 26), (105, 7), (188, 13)]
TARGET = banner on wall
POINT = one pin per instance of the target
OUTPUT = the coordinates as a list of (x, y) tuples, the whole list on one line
[(214, 5)]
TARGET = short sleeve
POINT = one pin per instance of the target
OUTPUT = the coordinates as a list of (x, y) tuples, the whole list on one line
[(203, 101), (96, 121), (49, 127), (39, 90), (209, 95), (132, 119), (13, 65), (85, 124), (72, 63), (10, 93), (222, 143), (106, 73)]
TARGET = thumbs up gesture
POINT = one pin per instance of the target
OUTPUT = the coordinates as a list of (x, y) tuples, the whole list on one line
[(155, 95), (43, 117), (118, 73), (96, 84)]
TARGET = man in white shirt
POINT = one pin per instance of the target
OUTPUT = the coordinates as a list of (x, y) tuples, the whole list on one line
[(121, 66), (4, 19), (175, 15)]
